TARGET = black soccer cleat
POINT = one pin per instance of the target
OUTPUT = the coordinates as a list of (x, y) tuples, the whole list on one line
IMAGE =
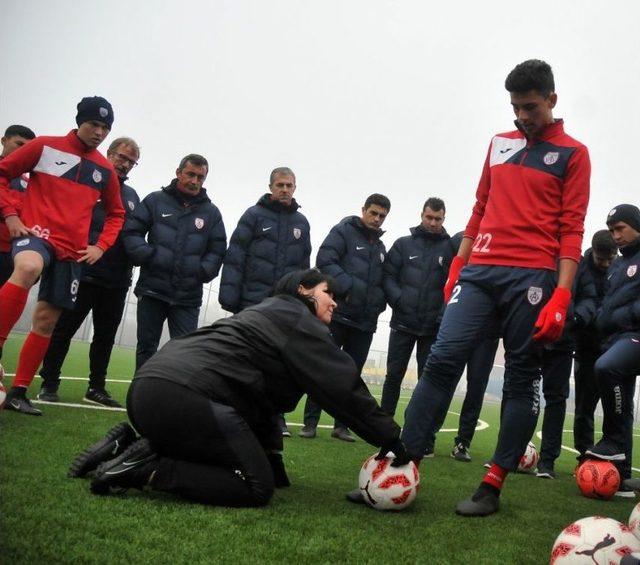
[(482, 503), (132, 469), (461, 453), (113, 444), (18, 402)]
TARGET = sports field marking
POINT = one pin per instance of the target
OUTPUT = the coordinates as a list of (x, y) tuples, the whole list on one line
[(481, 425)]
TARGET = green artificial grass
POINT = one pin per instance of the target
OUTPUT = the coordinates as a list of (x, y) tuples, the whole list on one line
[(48, 518)]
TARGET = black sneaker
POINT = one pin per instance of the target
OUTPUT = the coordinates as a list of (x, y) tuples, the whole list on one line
[(461, 453), (113, 444), (132, 469), (482, 503), (101, 397), (17, 401), (343, 434), (545, 472), (625, 491), (606, 451), (308, 432), (48, 395), (429, 453), (285, 431), (355, 496), (632, 484)]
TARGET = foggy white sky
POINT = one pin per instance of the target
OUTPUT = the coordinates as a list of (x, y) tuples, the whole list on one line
[(397, 97)]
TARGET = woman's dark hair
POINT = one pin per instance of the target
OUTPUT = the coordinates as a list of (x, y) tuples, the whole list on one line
[(288, 285)]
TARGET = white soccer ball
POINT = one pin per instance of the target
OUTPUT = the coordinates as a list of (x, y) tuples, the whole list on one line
[(634, 521), (594, 540), (529, 459), (388, 488)]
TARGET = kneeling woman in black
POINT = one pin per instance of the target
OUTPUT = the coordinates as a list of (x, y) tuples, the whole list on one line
[(207, 404)]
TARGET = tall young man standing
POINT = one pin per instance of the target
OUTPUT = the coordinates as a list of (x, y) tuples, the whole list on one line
[(67, 176), (526, 222)]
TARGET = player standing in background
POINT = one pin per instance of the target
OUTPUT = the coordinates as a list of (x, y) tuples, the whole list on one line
[(67, 176), (14, 137), (102, 291), (526, 223)]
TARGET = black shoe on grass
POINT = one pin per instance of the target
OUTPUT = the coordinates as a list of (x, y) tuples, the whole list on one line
[(355, 496), (484, 502), (132, 469), (343, 434), (48, 394), (545, 472), (18, 402), (102, 397), (461, 453), (113, 444)]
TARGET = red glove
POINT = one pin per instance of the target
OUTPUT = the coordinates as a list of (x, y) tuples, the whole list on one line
[(552, 317), (452, 279)]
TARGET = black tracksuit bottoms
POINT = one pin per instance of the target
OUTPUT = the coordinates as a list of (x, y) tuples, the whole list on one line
[(207, 451)]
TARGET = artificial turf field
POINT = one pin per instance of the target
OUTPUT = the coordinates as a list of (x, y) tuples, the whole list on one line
[(48, 518)]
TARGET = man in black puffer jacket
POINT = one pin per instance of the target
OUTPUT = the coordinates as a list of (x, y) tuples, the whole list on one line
[(272, 239), (353, 255), (184, 247), (103, 290), (415, 271), (619, 324)]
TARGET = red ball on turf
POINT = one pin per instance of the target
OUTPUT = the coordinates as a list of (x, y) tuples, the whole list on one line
[(598, 479)]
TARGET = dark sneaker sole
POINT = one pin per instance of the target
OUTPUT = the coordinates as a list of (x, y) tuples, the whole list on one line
[(113, 444), (613, 457)]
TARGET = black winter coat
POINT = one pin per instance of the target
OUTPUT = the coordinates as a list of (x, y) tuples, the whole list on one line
[(620, 311), (354, 256), (114, 269), (184, 246), (270, 241), (415, 271), (263, 360)]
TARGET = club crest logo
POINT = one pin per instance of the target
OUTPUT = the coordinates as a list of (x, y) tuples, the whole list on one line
[(103, 112), (96, 176), (534, 295), (632, 270), (381, 257), (297, 233), (131, 205), (551, 157), (199, 223)]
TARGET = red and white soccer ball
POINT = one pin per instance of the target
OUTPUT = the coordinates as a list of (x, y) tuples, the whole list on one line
[(529, 459), (634, 521), (594, 540), (598, 479), (388, 488), (3, 395)]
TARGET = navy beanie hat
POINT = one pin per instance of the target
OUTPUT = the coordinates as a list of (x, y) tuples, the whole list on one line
[(627, 213), (94, 108)]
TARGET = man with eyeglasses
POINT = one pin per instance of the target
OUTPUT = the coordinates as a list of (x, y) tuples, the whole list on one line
[(103, 291)]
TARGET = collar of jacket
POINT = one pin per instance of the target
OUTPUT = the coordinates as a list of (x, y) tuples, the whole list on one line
[(77, 143), (356, 222), (266, 202), (185, 201), (631, 249), (420, 231), (548, 131)]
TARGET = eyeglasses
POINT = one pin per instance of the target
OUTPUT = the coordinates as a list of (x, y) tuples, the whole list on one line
[(126, 159)]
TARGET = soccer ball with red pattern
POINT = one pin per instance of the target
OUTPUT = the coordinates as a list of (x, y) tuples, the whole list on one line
[(529, 459), (594, 540), (634, 521), (598, 479), (388, 488), (3, 395)]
